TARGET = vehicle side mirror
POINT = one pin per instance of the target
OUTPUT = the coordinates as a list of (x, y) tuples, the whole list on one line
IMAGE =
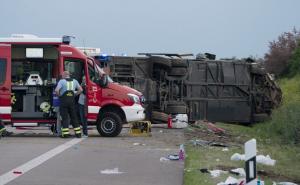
[(103, 81)]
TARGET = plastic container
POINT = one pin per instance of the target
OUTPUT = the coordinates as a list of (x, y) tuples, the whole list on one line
[(181, 153)]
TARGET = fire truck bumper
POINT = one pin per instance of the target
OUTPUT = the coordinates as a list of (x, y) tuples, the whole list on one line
[(134, 113)]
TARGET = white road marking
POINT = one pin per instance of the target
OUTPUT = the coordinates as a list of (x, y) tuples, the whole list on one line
[(21, 170)]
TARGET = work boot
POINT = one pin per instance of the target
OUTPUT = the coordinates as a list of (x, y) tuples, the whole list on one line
[(65, 136), (78, 135)]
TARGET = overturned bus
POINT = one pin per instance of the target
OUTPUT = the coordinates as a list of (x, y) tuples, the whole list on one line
[(202, 87)]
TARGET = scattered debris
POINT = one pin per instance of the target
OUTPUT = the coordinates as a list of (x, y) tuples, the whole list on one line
[(138, 144), (237, 157), (213, 173), (181, 152), (180, 121), (208, 143), (277, 176), (200, 142), (173, 157), (230, 180), (225, 149), (164, 159), (204, 170), (111, 171), (213, 128), (238, 171), (161, 131), (218, 144), (17, 172), (217, 173), (187, 170), (218, 160), (266, 160)]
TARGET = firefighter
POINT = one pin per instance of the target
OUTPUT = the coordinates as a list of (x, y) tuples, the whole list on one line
[(65, 89), (3, 131)]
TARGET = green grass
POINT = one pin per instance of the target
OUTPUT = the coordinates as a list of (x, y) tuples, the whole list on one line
[(208, 157), (279, 138), (285, 123), (287, 158)]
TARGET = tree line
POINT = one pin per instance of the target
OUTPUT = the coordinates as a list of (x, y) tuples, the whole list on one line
[(283, 57)]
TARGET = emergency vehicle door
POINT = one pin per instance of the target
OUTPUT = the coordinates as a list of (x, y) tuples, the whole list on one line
[(94, 92), (5, 82)]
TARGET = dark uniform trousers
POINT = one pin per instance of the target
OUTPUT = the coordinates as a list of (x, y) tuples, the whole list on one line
[(67, 109)]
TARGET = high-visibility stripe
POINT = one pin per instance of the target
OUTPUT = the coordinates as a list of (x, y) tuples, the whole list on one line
[(70, 86), (77, 128), (78, 132), (65, 133), (1, 130), (65, 129)]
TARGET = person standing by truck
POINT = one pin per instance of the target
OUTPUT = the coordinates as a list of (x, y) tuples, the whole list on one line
[(66, 90), (55, 103), (82, 108)]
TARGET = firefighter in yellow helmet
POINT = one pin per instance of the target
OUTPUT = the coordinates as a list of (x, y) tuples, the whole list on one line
[(66, 90)]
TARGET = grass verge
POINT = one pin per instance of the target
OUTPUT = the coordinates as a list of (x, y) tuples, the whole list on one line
[(279, 138)]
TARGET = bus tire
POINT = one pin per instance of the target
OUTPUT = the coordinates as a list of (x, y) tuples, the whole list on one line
[(161, 61)]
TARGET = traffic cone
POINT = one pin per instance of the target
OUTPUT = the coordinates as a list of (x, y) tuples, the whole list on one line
[(170, 121)]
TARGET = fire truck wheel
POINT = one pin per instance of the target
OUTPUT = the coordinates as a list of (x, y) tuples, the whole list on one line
[(176, 109), (161, 61), (177, 71), (109, 125)]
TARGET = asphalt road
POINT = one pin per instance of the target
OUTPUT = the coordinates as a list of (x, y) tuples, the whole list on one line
[(41, 159)]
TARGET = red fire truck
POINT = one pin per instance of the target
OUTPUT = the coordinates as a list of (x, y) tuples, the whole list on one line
[(30, 67)]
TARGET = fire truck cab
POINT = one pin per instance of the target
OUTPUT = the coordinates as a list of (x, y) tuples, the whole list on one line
[(30, 69)]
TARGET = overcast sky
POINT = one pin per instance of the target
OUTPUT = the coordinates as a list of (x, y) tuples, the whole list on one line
[(225, 27)]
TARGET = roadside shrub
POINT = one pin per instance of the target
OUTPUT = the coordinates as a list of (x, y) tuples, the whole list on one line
[(294, 63), (285, 123)]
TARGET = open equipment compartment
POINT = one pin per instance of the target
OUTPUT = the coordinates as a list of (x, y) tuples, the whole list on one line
[(34, 74)]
